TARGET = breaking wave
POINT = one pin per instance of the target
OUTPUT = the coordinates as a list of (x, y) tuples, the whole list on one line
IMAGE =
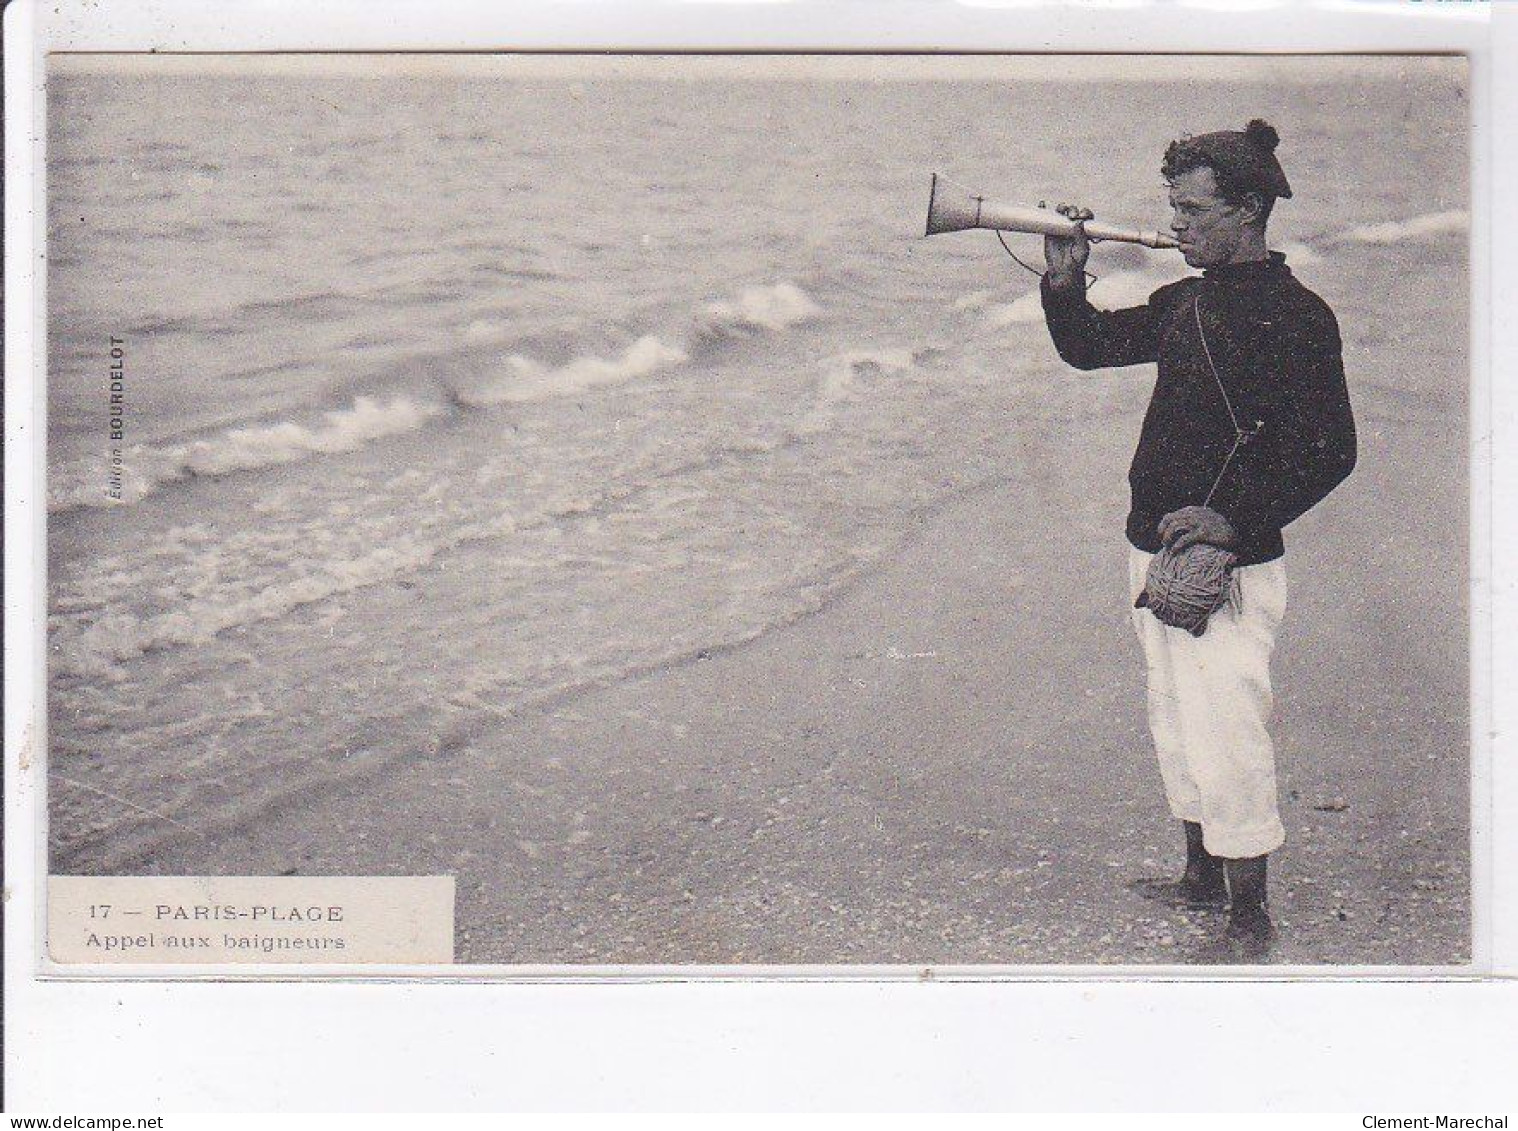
[(847, 376), (1133, 288), (777, 307), (146, 468), (531, 381), (1419, 227), (98, 648), (487, 331), (1119, 289), (1299, 254)]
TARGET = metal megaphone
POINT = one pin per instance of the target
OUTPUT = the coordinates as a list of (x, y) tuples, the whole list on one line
[(956, 209)]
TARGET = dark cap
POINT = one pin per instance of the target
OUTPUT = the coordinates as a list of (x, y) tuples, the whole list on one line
[(1243, 160)]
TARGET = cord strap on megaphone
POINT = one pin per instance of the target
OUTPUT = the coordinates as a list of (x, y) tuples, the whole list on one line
[(1026, 266)]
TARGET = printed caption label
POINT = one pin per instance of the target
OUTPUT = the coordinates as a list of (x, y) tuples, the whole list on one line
[(242, 920)]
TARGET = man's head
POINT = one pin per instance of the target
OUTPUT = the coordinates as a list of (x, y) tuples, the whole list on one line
[(1222, 188)]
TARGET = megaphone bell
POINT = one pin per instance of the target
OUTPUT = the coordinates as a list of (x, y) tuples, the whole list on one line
[(953, 208)]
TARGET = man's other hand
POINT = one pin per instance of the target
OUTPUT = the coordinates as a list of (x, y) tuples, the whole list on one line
[(1066, 255), (1190, 525)]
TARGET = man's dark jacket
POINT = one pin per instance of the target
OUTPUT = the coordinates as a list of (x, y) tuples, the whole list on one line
[(1276, 347)]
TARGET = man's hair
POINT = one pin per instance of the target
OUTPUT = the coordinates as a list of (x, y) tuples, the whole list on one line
[(1243, 164)]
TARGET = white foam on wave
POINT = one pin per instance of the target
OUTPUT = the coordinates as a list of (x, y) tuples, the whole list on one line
[(1119, 289), (530, 380), (204, 571), (1132, 288), (486, 332), (1024, 311), (367, 419), (843, 375), (147, 468), (1128, 288), (975, 300), (756, 309), (1300, 254), (776, 307), (1428, 225), (1110, 292), (96, 649)]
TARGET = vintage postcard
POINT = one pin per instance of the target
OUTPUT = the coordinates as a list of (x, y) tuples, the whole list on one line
[(566, 511)]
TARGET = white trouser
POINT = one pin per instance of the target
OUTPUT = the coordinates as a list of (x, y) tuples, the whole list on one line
[(1209, 707)]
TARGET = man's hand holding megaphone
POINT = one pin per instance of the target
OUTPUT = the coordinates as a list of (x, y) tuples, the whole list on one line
[(1067, 255)]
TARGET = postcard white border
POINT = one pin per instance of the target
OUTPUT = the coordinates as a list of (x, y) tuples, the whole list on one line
[(923, 1042)]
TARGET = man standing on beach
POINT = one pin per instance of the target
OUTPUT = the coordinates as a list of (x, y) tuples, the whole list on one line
[(1249, 426)]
